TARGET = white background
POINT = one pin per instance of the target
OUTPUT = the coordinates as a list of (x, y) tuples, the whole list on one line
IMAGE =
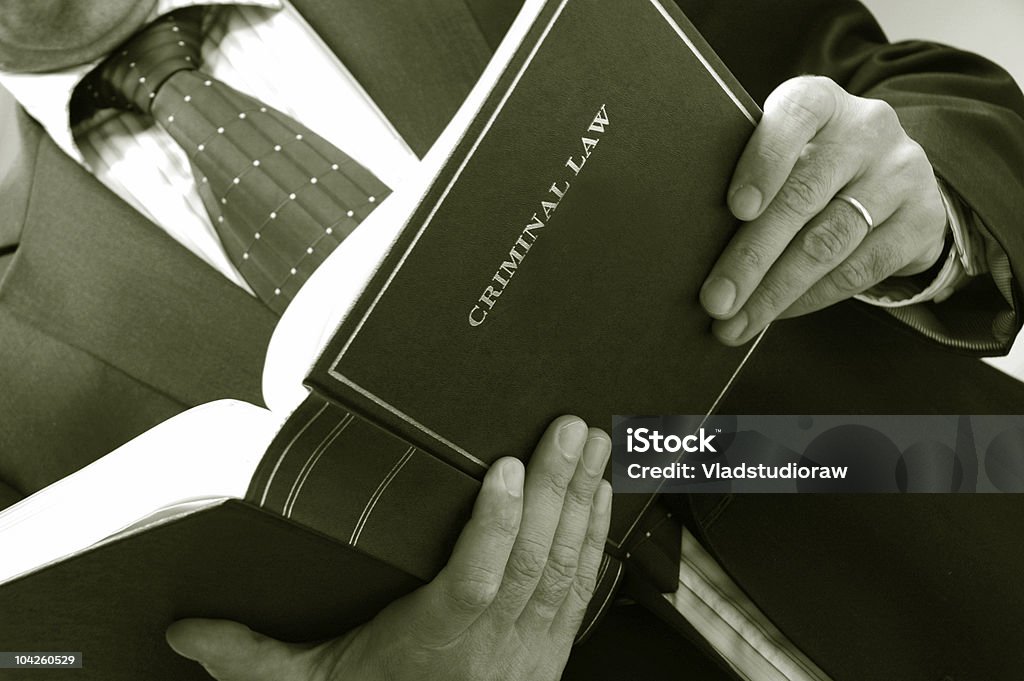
[(992, 28)]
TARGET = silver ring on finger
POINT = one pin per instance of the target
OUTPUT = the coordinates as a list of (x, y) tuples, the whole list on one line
[(859, 207)]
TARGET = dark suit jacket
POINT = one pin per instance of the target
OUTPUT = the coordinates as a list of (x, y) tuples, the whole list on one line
[(107, 327)]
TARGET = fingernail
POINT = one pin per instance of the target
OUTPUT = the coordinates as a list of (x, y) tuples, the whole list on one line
[(595, 454), (718, 296), (512, 476), (603, 498), (734, 328), (746, 202), (571, 436), (180, 638)]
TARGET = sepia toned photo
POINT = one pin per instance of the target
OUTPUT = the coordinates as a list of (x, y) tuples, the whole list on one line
[(504, 340)]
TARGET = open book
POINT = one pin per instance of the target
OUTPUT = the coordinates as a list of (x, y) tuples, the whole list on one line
[(548, 261)]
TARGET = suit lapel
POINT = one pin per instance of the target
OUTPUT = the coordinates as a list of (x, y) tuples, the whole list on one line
[(417, 59), (93, 272)]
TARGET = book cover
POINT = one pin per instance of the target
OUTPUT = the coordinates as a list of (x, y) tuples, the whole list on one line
[(555, 268)]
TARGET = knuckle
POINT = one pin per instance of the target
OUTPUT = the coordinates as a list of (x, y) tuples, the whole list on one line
[(526, 562), (748, 258), (802, 194), (563, 560), (827, 241), (472, 592), (771, 297), (853, 276), (555, 582), (544, 607), (801, 99), (880, 113), (583, 588), (549, 598), (553, 483), (504, 525), (916, 155), (578, 498), (817, 82), (877, 124), (858, 274), (821, 164), (910, 161), (769, 155)]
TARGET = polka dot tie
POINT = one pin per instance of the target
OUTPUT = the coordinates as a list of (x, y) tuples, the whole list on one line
[(280, 197)]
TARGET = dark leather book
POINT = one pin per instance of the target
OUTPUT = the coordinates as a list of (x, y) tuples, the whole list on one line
[(556, 266), (551, 265)]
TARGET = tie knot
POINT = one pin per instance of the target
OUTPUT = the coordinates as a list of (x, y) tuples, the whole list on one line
[(133, 73)]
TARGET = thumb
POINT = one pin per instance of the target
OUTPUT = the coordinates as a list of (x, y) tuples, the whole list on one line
[(230, 651), (446, 607)]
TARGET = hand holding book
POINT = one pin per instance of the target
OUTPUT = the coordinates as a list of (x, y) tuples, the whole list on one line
[(511, 597), (822, 170)]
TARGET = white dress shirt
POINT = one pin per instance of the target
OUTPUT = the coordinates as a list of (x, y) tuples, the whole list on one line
[(255, 46)]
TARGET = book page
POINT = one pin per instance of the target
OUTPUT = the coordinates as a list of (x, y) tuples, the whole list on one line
[(310, 319), (326, 298), (1013, 363), (208, 451)]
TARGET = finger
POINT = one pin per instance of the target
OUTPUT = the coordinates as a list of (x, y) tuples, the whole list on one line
[(467, 585), (883, 253), (567, 621), (547, 479), (824, 243), (230, 651), (564, 558), (822, 170), (793, 115), (780, 182)]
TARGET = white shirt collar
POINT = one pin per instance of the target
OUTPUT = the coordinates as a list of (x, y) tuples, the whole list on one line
[(47, 96)]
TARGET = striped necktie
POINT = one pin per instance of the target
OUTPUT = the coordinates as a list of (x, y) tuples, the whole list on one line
[(280, 197)]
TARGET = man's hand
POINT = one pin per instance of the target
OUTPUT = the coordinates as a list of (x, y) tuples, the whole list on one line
[(506, 606), (802, 249)]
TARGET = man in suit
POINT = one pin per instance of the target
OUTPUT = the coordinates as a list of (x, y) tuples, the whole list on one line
[(110, 326)]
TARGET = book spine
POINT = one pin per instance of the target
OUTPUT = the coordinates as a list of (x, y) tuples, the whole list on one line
[(337, 473)]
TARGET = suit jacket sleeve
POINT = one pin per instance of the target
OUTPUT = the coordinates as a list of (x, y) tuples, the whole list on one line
[(966, 112)]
